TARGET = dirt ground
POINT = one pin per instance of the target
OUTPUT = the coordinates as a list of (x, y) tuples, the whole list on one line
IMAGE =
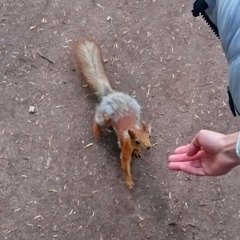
[(56, 181)]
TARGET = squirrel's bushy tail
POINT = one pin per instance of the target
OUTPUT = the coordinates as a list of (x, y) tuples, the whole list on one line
[(88, 58)]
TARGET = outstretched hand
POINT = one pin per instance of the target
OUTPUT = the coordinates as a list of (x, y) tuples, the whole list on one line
[(208, 154)]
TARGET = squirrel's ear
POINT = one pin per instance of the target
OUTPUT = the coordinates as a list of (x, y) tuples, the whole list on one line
[(131, 134), (146, 128)]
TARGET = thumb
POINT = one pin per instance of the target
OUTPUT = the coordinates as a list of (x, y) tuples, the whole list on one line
[(194, 147)]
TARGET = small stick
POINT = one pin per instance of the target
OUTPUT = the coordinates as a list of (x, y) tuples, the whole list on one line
[(45, 58)]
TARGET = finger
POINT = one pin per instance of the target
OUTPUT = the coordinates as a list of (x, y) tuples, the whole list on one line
[(194, 147), (187, 168), (192, 163), (182, 149), (179, 158), (183, 157)]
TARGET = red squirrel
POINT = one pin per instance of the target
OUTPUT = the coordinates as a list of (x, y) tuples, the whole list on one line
[(115, 109)]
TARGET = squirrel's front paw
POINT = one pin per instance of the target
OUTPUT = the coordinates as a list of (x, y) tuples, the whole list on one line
[(137, 153)]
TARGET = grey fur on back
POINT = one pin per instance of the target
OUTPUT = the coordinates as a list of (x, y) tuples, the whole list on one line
[(116, 106)]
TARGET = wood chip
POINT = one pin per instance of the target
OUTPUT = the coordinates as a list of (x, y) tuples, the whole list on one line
[(148, 92), (89, 145), (32, 109), (29, 224), (50, 140), (48, 162), (52, 190), (17, 210), (100, 6)]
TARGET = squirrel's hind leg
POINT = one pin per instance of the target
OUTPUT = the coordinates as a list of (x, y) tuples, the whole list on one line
[(101, 119), (98, 122), (96, 129)]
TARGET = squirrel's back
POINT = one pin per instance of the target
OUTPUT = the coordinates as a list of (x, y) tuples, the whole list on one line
[(87, 55), (119, 105)]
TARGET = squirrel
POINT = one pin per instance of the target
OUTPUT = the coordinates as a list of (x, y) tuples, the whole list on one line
[(115, 109)]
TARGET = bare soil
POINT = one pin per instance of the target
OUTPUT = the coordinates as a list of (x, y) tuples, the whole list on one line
[(56, 181)]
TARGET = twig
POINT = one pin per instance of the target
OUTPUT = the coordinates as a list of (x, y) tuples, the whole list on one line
[(45, 58)]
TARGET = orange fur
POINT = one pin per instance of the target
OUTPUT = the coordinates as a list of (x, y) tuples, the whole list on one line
[(129, 146), (123, 115)]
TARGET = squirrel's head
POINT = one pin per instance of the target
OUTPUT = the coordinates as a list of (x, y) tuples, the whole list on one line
[(140, 137)]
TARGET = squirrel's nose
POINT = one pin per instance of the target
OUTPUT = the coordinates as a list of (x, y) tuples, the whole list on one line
[(148, 147)]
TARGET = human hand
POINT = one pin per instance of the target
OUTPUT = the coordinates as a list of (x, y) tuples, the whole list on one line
[(208, 154)]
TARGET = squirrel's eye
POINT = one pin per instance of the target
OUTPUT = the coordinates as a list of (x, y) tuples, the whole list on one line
[(137, 142)]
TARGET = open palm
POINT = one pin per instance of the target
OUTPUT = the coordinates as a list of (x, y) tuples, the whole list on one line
[(208, 154)]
